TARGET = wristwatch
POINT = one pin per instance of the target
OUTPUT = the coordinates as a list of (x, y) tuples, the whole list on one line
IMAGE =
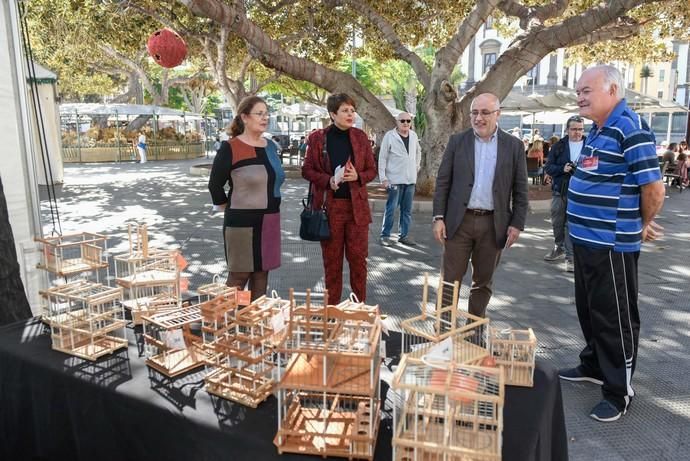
[(436, 218)]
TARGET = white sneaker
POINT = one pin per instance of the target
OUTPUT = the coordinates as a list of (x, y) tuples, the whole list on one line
[(555, 255), (569, 266)]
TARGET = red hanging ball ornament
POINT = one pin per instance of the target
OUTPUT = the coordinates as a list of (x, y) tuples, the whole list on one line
[(167, 48)]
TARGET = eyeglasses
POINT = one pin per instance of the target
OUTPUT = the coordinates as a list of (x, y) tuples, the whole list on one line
[(405, 121), (483, 113), (261, 114), (576, 129)]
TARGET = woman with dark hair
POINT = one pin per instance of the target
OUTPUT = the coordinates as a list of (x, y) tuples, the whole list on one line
[(342, 145), (251, 229)]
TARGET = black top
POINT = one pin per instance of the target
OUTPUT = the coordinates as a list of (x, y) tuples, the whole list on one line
[(339, 150), (406, 141)]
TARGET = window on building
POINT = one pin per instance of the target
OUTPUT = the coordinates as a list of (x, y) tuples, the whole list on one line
[(489, 60), (660, 94), (489, 24), (566, 73), (679, 122), (533, 75), (660, 123), (662, 74)]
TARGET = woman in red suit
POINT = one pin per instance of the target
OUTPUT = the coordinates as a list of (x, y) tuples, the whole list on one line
[(346, 198)]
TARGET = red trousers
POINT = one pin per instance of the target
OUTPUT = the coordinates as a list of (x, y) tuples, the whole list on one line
[(350, 240)]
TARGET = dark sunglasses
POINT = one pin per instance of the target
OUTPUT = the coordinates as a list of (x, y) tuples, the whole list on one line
[(405, 121)]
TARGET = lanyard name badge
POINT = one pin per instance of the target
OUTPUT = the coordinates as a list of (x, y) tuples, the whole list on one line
[(590, 162)]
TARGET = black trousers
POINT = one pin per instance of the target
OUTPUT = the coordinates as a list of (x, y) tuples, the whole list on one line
[(606, 300)]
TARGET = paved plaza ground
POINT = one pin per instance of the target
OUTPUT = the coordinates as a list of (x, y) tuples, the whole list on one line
[(529, 292)]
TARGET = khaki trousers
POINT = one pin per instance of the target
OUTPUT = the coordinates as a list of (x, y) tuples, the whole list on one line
[(475, 241)]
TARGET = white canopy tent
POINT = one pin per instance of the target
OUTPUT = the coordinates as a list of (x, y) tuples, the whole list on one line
[(124, 110)]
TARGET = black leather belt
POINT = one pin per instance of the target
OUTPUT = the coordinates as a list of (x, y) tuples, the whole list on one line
[(477, 212)]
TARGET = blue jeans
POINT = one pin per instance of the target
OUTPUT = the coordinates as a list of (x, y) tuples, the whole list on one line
[(399, 196)]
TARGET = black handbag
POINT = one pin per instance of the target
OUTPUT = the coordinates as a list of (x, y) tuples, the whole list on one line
[(313, 225)]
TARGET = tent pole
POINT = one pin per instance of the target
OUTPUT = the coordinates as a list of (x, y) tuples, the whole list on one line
[(76, 114), (117, 136)]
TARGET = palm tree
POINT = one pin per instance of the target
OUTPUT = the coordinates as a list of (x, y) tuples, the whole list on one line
[(645, 73)]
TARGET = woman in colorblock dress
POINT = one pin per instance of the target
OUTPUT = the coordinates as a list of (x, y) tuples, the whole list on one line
[(250, 164)]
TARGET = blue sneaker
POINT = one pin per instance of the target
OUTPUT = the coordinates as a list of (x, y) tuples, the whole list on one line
[(577, 374), (606, 412)]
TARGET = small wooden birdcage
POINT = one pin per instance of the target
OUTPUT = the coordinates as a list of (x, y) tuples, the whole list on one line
[(170, 346), (328, 366), (515, 352), (151, 283), (211, 290), (71, 254), (449, 413), (444, 329), (86, 319), (242, 368), (217, 313)]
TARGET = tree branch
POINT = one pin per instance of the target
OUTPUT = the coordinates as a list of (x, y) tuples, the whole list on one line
[(267, 81), (529, 16), (165, 21), (391, 37), (614, 32), (602, 22), (271, 54), (447, 57), (273, 8)]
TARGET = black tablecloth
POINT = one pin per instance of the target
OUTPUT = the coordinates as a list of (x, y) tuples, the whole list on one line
[(58, 407)]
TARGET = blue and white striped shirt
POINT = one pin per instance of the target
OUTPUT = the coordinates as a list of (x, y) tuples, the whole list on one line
[(604, 202)]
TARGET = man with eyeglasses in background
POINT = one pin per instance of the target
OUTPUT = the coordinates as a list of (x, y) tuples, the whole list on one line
[(399, 160), (480, 203), (560, 165)]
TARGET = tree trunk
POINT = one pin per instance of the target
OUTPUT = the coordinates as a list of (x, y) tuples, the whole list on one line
[(136, 124), (13, 303)]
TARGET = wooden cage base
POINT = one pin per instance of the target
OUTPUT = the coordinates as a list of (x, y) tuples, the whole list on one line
[(71, 267), (96, 349), (345, 374), (463, 445), (232, 385), (137, 308), (463, 351), (173, 363), (339, 433), (61, 318)]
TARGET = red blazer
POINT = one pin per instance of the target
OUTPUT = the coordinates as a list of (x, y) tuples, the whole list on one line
[(319, 174)]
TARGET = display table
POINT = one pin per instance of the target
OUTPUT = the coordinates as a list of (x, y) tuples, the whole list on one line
[(58, 407)]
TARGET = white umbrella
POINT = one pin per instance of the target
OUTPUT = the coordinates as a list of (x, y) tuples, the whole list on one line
[(548, 118)]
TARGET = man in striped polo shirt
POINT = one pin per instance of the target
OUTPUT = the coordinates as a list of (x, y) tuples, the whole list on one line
[(613, 197)]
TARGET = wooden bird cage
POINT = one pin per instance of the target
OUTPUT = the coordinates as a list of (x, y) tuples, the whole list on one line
[(86, 319), (451, 413), (72, 254), (442, 324), (151, 283), (515, 352), (328, 366), (217, 314), (138, 238), (170, 346), (243, 365), (211, 290)]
